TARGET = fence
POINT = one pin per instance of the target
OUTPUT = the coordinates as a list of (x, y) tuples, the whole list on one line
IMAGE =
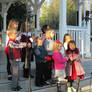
[(78, 34)]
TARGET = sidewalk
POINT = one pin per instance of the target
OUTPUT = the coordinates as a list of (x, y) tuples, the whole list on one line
[(5, 85)]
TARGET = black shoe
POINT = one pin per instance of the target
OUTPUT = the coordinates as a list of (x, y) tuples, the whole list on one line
[(31, 76), (9, 78), (25, 76), (44, 83), (39, 85), (15, 89), (19, 87)]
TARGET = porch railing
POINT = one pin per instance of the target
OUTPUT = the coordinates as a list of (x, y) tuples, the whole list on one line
[(78, 34)]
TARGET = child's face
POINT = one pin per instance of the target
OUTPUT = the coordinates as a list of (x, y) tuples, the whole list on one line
[(29, 45), (40, 42), (52, 34), (15, 25), (72, 46), (68, 38), (14, 35), (60, 47)]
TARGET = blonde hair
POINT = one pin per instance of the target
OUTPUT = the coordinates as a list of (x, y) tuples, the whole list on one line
[(48, 33), (56, 45), (11, 24), (10, 31)]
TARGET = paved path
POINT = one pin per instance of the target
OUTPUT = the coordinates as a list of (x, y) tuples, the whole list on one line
[(5, 84)]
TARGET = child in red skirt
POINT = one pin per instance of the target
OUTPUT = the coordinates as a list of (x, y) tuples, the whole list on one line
[(74, 70)]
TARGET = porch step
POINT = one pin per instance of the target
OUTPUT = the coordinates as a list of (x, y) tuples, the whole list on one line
[(5, 86)]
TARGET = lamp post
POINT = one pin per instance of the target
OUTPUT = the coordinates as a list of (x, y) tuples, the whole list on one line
[(28, 64)]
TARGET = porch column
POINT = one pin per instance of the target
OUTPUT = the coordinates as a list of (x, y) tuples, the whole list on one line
[(5, 8), (62, 19), (80, 14), (4, 15), (88, 53), (38, 19), (4, 21), (36, 6)]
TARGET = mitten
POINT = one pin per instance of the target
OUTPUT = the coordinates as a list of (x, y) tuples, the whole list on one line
[(48, 58)]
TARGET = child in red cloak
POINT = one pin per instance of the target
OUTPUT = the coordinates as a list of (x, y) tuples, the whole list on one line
[(74, 70)]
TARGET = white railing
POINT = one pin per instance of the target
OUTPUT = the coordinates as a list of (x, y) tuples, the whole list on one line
[(0, 40), (79, 35), (39, 33)]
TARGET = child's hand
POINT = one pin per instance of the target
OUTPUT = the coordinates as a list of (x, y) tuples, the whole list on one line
[(25, 44), (33, 38), (71, 58), (66, 58), (74, 59)]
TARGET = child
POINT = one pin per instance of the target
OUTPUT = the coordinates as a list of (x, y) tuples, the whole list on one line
[(12, 24), (74, 70), (67, 38), (26, 53), (59, 61), (14, 57), (44, 29), (41, 59), (48, 44)]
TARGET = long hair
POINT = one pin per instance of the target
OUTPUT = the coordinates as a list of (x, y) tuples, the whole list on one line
[(48, 34), (11, 24), (10, 31), (65, 37), (56, 45), (73, 42)]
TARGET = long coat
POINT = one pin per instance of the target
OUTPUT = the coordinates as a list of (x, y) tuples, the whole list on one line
[(74, 68), (25, 38)]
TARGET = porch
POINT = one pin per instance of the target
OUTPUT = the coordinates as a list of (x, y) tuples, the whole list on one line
[(5, 85)]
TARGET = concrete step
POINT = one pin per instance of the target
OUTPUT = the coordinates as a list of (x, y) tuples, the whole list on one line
[(5, 86)]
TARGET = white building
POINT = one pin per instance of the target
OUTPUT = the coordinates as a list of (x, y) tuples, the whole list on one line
[(80, 33)]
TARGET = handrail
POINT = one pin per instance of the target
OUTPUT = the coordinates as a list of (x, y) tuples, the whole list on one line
[(77, 28)]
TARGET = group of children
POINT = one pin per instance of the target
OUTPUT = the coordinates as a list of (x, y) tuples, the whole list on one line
[(68, 67), (48, 57)]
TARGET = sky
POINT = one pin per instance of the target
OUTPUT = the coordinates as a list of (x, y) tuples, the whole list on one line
[(49, 1)]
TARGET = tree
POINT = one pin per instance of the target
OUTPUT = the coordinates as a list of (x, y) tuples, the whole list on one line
[(36, 6), (1, 23), (17, 11), (50, 14), (71, 13)]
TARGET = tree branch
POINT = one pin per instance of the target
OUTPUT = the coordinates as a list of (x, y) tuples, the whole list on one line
[(8, 6), (40, 4), (32, 3)]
